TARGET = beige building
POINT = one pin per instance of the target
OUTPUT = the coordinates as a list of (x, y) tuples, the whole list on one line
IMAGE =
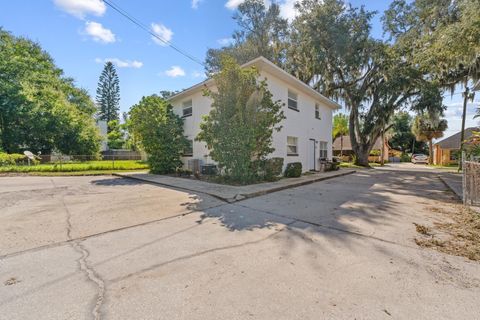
[(447, 151)]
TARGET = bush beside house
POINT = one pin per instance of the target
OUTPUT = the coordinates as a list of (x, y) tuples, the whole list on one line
[(238, 130), (293, 170), (160, 132)]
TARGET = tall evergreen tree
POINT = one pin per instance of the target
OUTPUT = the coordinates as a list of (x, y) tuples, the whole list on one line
[(108, 94)]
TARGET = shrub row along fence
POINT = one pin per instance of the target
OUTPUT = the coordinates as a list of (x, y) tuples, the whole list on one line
[(471, 183)]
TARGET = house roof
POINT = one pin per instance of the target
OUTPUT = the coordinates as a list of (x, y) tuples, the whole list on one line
[(453, 142), (264, 64), (347, 144)]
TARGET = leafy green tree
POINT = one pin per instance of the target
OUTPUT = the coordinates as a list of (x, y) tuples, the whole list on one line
[(340, 128), (128, 134), (40, 109), (442, 37), (108, 94), (160, 132), (262, 32), (401, 136), (115, 137), (332, 49), (238, 130), (428, 126), (165, 94)]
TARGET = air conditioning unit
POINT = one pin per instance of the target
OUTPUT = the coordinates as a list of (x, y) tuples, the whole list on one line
[(194, 165)]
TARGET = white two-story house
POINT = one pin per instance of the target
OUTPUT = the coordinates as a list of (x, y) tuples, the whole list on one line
[(306, 134)]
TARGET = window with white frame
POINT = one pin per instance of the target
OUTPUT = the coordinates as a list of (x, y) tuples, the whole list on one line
[(292, 146), (292, 100), (187, 108), (323, 149), (188, 150), (317, 111)]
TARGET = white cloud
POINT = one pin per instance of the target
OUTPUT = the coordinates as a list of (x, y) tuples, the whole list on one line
[(233, 4), (99, 33), (225, 41), (175, 71), (80, 8), (121, 63), (195, 3), (161, 31)]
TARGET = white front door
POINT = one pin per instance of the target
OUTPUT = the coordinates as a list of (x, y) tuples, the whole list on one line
[(311, 154)]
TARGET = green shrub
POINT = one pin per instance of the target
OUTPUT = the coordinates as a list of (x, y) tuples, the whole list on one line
[(375, 153), (273, 168), (11, 159), (160, 132), (405, 158), (293, 170)]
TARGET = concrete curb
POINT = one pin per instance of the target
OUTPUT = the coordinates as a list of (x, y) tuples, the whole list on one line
[(301, 183), (240, 197), (453, 190)]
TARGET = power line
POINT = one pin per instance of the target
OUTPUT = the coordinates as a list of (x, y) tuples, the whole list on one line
[(153, 34)]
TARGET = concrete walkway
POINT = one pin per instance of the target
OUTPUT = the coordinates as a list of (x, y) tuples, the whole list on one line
[(454, 182), (233, 193)]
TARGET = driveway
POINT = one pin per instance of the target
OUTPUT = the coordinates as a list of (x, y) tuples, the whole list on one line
[(113, 248)]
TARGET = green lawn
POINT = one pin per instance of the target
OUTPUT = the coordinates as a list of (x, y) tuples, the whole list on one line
[(87, 166)]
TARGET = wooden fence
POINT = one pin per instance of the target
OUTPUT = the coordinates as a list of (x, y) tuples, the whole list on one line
[(471, 183)]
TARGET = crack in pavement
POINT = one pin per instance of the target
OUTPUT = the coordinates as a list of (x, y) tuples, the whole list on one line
[(83, 264), (93, 277)]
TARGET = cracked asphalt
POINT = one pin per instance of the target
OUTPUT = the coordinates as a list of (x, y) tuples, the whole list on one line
[(113, 248)]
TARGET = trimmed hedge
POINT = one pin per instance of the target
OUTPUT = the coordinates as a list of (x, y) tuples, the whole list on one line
[(11, 159), (293, 170)]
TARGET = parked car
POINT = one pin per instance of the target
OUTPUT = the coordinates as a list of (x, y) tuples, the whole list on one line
[(419, 158)]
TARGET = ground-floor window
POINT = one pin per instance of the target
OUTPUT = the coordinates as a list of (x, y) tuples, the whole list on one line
[(323, 149), (188, 150), (292, 146)]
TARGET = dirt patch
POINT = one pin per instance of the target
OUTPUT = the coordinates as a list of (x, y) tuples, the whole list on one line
[(460, 236)]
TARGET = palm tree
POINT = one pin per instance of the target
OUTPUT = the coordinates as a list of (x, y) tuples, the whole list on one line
[(340, 128), (429, 126)]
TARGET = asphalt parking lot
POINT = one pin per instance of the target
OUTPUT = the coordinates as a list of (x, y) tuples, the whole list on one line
[(113, 248)]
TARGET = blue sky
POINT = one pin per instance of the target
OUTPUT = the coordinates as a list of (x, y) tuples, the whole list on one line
[(81, 34)]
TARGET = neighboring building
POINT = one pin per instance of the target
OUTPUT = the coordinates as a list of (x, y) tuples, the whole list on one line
[(102, 128), (447, 151), (306, 134), (375, 154)]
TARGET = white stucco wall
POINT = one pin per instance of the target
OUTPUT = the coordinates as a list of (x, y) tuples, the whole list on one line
[(301, 124)]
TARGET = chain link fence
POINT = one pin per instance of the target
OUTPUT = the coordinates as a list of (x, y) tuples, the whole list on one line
[(471, 183)]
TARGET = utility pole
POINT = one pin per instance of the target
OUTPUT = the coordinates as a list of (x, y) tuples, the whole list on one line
[(466, 96)]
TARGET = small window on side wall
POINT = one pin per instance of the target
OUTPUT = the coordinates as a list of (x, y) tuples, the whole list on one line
[(188, 151), (292, 100), (292, 146), (317, 111), (187, 108)]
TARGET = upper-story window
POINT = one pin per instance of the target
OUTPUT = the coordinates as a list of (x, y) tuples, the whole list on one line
[(187, 108), (317, 111), (292, 100)]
